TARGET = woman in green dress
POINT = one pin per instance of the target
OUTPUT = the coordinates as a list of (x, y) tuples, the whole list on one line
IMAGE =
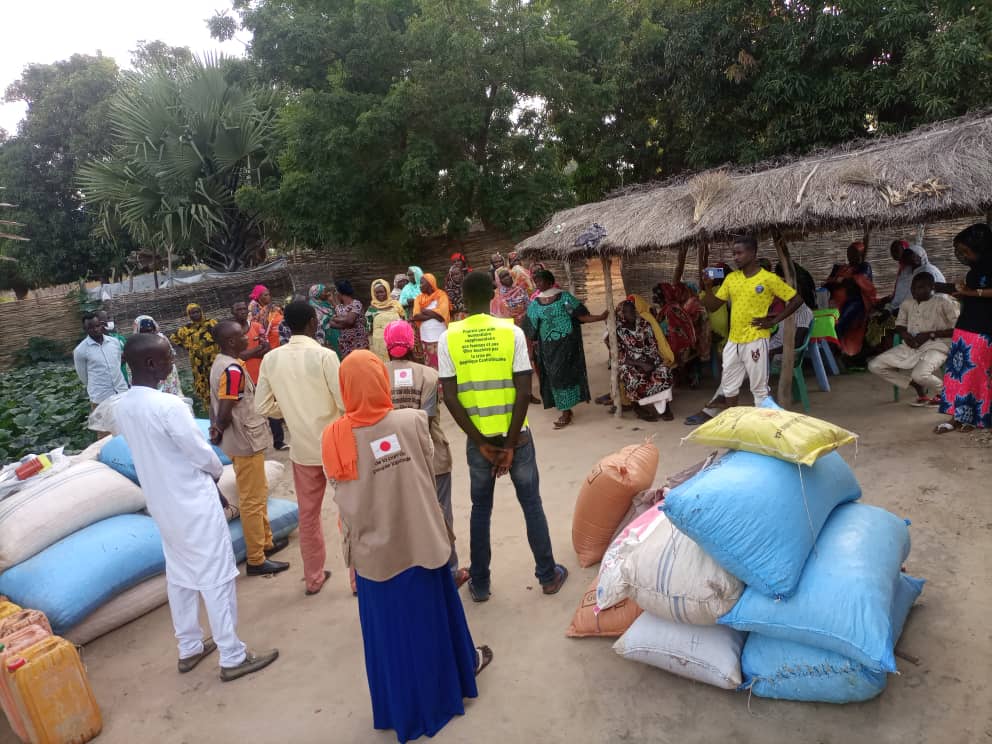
[(554, 322)]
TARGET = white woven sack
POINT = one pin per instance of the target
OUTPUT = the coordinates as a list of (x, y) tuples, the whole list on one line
[(42, 514), (274, 472), (666, 574), (709, 654), (122, 609)]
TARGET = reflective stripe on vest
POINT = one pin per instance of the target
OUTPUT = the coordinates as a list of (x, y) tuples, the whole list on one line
[(481, 348)]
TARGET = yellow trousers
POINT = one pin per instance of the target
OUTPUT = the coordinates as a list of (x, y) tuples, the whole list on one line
[(253, 493)]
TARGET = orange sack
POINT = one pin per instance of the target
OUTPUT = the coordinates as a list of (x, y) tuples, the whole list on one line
[(606, 495), (609, 623)]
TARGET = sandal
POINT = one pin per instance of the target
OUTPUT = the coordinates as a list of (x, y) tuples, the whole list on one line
[(460, 575), (483, 658), (311, 592), (604, 400), (564, 420), (668, 415), (946, 427), (535, 400)]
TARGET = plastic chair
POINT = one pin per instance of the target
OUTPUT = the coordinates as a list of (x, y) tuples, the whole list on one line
[(799, 392)]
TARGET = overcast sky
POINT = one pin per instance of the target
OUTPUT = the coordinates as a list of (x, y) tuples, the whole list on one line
[(50, 30)]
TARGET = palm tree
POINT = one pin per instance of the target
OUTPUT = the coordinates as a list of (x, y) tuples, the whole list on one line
[(186, 140)]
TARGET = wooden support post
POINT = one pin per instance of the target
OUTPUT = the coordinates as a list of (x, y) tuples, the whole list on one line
[(680, 264), (789, 324), (703, 259), (568, 275), (866, 238), (611, 328)]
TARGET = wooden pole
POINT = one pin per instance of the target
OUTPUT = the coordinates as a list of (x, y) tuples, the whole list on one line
[(680, 264), (703, 259), (611, 329), (789, 324), (568, 275), (866, 238)]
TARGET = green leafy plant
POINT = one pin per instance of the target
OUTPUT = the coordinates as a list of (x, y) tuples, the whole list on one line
[(40, 349), (42, 407)]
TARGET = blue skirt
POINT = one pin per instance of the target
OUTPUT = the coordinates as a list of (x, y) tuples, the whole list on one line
[(419, 654)]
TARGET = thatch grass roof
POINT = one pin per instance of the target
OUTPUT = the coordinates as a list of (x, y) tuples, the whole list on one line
[(937, 172)]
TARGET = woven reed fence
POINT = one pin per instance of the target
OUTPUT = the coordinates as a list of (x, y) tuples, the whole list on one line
[(57, 316)]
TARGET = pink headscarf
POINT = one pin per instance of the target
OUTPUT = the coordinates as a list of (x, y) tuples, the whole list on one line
[(398, 336), (258, 291)]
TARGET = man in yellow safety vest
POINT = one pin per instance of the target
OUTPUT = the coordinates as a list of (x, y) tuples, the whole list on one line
[(486, 376)]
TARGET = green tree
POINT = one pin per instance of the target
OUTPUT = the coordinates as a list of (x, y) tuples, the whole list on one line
[(185, 141), (65, 124), (663, 86), (407, 118)]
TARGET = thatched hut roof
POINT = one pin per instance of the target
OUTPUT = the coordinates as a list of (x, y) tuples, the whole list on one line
[(937, 172)]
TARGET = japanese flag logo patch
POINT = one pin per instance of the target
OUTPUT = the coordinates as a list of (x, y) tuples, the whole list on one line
[(402, 378), (386, 446)]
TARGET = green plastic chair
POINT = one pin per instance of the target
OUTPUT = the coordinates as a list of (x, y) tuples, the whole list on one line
[(799, 392)]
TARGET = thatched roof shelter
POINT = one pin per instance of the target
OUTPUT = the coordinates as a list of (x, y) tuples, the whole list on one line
[(937, 172)]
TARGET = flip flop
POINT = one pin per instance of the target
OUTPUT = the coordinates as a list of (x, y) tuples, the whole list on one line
[(604, 400), (697, 418), (561, 423), (668, 415), (483, 658), (944, 428), (460, 576), (311, 592)]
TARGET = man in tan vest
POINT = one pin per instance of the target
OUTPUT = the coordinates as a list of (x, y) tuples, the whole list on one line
[(244, 435)]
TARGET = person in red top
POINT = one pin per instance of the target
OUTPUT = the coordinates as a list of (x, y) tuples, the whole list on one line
[(258, 346)]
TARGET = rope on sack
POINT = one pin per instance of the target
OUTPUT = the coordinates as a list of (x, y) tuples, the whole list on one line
[(809, 517)]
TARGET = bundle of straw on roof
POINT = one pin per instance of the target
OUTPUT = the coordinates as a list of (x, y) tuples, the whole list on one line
[(705, 189)]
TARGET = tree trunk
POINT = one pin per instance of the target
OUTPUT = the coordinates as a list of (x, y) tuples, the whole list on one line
[(611, 328), (168, 259), (789, 324)]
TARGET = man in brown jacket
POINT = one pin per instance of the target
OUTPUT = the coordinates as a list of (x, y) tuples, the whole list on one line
[(244, 435)]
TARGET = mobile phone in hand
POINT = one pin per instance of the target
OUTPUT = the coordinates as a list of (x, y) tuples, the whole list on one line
[(714, 272)]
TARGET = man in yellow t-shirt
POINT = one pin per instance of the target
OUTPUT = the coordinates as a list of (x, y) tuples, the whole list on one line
[(751, 291)]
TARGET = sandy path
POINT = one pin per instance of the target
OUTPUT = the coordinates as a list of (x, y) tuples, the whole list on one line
[(545, 687)]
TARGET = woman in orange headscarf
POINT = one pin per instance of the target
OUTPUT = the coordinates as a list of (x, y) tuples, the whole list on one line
[(413, 624), (431, 315)]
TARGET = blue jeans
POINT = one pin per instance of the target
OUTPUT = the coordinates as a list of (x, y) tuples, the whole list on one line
[(526, 481)]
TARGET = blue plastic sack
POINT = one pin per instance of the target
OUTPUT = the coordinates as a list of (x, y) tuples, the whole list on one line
[(791, 671), (844, 599), (284, 517), (117, 455), (75, 576), (759, 516)]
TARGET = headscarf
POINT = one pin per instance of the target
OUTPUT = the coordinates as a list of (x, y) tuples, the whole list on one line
[(508, 302), (367, 397), (461, 257), (191, 307), (398, 336), (423, 301), (397, 289), (643, 308), (494, 258), (140, 318), (512, 257), (523, 279), (453, 286), (387, 304), (412, 290), (323, 308), (258, 291)]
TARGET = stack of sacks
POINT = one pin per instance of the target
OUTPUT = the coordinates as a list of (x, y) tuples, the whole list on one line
[(116, 454), (605, 500), (72, 545), (823, 620)]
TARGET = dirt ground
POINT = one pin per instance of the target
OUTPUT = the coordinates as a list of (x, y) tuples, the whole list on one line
[(545, 687)]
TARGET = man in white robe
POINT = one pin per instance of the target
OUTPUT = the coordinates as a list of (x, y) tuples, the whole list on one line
[(178, 472)]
